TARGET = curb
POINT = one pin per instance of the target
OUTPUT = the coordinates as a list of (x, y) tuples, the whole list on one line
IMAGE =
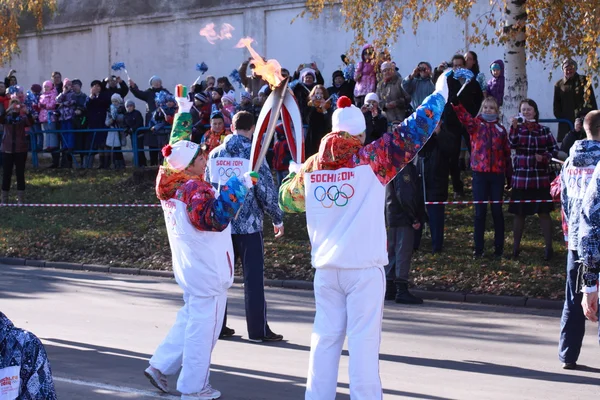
[(457, 297)]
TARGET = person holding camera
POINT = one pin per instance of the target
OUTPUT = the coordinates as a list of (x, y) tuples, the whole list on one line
[(14, 146), (533, 147), (394, 99), (419, 84), (318, 118), (376, 122)]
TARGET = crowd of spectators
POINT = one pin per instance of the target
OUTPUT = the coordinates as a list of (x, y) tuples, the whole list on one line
[(516, 156)]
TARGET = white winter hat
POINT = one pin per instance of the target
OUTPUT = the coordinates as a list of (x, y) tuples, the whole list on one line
[(348, 118), (180, 155), (116, 97), (372, 97)]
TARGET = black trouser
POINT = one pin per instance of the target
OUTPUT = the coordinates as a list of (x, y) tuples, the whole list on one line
[(16, 160), (141, 153)]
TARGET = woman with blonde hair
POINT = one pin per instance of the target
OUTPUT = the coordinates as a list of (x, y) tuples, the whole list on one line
[(318, 118), (490, 158)]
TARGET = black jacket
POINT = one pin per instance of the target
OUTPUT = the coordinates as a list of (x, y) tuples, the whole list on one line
[(434, 164), (376, 127), (570, 139), (122, 88), (346, 89), (96, 110), (133, 121), (404, 204)]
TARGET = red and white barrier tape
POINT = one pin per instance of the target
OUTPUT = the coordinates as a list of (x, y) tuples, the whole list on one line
[(158, 205), (83, 205), (489, 202)]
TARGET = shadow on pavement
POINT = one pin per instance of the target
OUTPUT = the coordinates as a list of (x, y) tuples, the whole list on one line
[(87, 362)]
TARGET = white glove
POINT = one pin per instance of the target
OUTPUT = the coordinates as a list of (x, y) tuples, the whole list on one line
[(294, 167), (184, 104), (250, 179)]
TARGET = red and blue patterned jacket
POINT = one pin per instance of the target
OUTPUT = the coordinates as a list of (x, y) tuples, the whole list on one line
[(490, 151)]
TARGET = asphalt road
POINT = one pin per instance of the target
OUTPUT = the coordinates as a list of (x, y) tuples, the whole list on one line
[(100, 330)]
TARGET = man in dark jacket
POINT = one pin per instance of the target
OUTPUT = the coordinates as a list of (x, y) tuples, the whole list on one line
[(114, 84), (471, 98), (433, 165), (574, 135), (341, 87), (404, 211), (24, 368), (148, 95), (97, 105), (570, 96), (133, 122)]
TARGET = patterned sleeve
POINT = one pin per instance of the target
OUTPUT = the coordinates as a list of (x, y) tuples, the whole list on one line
[(291, 191), (267, 194), (208, 212), (588, 247), (36, 375), (466, 119), (389, 154)]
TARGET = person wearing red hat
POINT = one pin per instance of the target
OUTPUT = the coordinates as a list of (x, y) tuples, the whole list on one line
[(342, 191), (197, 220)]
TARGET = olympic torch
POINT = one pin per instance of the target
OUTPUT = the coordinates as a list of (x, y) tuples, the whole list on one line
[(265, 127)]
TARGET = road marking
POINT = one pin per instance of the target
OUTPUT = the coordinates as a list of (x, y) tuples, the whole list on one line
[(120, 389)]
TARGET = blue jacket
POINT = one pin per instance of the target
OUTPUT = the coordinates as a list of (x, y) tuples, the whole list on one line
[(575, 177), (418, 89), (19, 348), (262, 198)]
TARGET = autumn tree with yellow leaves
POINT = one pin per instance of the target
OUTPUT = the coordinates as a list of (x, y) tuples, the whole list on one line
[(545, 30), (11, 13)]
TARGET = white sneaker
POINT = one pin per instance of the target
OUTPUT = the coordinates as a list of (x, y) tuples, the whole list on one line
[(157, 379), (208, 393)]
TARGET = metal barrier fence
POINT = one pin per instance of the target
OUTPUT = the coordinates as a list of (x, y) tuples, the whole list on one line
[(134, 147)]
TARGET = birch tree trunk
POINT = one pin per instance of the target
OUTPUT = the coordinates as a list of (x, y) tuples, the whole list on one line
[(515, 67)]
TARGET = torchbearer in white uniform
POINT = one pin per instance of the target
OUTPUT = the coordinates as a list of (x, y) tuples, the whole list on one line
[(342, 190), (197, 219)]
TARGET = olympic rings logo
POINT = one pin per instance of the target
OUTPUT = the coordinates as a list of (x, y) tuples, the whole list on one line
[(334, 195), (229, 172)]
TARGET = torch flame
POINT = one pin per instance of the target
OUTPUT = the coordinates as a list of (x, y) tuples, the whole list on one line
[(269, 70), (212, 36)]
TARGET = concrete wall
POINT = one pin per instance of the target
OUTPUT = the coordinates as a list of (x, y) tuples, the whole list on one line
[(162, 37)]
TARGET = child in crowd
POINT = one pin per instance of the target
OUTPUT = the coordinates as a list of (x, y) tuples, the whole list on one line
[(80, 122), (495, 86), (490, 156), (365, 75), (162, 119), (47, 104), (116, 139), (200, 116), (246, 105), (32, 99), (228, 107), (281, 154), (217, 132), (66, 107), (217, 95), (134, 121)]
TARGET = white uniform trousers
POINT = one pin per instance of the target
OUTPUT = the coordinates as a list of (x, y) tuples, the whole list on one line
[(190, 342), (349, 302)]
